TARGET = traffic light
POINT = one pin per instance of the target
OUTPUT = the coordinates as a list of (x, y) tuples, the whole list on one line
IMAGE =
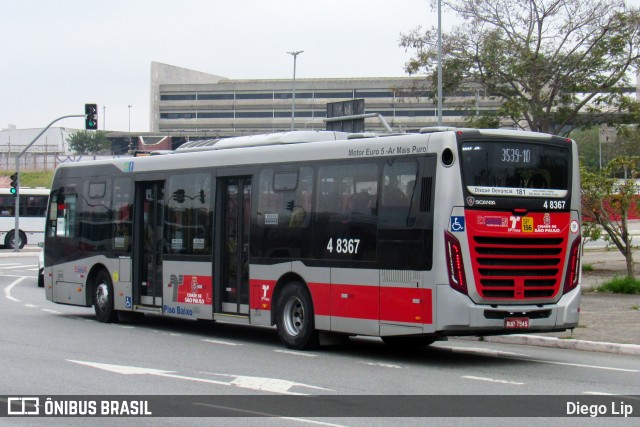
[(14, 183), (90, 116), (179, 196), (201, 196)]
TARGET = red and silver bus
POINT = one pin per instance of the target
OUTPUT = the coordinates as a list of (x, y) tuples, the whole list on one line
[(408, 237)]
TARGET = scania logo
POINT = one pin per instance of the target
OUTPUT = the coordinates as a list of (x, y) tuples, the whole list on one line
[(472, 201)]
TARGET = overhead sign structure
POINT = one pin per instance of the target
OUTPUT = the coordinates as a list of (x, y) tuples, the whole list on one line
[(343, 114)]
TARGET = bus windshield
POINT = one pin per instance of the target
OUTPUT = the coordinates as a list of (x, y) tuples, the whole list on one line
[(516, 169)]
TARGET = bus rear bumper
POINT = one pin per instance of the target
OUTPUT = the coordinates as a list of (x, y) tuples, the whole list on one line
[(456, 314)]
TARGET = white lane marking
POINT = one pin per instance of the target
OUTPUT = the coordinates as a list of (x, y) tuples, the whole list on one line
[(579, 365), (7, 290), (524, 357), (263, 414), (220, 342), (492, 380), (296, 353), (599, 393), (31, 306), (8, 264), (17, 267), (273, 385), (48, 310), (382, 365)]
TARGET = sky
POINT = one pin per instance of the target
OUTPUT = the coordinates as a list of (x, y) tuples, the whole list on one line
[(55, 56)]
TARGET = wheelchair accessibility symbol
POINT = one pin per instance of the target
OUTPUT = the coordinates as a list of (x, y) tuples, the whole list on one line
[(457, 224)]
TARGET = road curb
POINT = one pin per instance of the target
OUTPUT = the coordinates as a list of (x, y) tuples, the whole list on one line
[(570, 344)]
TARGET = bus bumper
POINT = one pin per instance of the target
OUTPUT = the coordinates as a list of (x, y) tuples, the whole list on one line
[(456, 314)]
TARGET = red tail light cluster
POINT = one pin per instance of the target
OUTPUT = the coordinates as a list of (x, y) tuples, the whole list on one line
[(573, 270), (455, 266)]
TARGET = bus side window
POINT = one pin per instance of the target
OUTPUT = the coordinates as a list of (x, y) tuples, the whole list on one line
[(188, 203), (283, 212), (62, 215), (122, 211), (398, 198)]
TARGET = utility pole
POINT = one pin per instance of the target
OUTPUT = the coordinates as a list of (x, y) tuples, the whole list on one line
[(16, 231)]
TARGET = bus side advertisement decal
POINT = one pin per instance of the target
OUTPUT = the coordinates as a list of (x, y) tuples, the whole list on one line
[(194, 289)]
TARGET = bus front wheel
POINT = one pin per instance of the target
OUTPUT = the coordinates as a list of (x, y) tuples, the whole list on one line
[(296, 326), (10, 240), (103, 298)]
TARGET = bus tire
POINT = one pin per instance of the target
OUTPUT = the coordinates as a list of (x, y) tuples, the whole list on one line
[(103, 298), (295, 318), (408, 342), (10, 241)]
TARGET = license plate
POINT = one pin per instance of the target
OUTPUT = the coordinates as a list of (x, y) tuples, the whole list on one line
[(516, 323)]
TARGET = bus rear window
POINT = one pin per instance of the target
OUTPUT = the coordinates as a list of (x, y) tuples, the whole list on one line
[(515, 169)]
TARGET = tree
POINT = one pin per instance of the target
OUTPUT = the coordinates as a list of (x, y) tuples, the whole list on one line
[(607, 201), (88, 142), (555, 64)]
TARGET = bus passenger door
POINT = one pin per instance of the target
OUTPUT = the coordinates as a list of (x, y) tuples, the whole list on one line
[(232, 278), (148, 244)]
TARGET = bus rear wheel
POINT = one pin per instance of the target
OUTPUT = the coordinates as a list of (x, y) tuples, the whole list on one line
[(103, 298), (10, 240), (295, 318)]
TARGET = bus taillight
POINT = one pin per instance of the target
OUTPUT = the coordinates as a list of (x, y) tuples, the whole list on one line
[(455, 266), (571, 279)]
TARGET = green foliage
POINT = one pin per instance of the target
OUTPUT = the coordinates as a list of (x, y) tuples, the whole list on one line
[(88, 142), (587, 267), (554, 65), (607, 201), (33, 178), (484, 120), (620, 285)]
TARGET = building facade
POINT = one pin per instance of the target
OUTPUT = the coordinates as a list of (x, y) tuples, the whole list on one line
[(186, 101)]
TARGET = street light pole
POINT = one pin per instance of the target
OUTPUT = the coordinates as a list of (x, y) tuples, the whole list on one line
[(130, 127), (295, 54), (439, 63)]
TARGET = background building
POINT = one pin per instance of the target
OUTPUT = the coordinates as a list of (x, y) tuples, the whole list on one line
[(186, 101), (43, 154)]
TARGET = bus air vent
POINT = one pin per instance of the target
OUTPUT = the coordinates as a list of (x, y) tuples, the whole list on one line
[(518, 268), (425, 194)]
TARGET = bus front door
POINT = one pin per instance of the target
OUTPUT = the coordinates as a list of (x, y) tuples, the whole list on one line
[(233, 277), (148, 248)]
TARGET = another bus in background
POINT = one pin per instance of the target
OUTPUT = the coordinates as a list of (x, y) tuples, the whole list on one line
[(33, 209)]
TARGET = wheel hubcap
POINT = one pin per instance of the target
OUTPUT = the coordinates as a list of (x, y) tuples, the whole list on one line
[(293, 316), (102, 296)]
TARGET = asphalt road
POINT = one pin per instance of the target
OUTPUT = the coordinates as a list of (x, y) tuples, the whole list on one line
[(51, 349)]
